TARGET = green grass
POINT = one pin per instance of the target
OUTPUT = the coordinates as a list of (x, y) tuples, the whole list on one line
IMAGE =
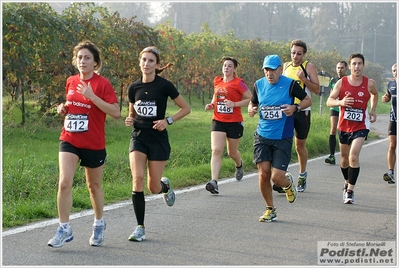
[(30, 158)]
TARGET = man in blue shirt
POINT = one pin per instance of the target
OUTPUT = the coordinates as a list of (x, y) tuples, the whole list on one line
[(273, 99)]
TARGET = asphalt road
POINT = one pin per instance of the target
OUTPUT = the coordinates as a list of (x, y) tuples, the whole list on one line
[(223, 230)]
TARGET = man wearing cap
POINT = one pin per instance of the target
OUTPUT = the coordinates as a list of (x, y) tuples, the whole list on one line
[(273, 99)]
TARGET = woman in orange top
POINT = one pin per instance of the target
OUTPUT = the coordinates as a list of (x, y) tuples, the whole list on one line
[(230, 94)]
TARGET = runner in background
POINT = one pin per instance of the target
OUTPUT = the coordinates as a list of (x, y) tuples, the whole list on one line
[(390, 95), (342, 67)]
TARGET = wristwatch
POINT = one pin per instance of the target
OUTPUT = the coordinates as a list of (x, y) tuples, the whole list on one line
[(298, 108), (169, 120)]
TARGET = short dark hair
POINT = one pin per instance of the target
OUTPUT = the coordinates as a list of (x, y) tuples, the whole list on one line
[(344, 62), (300, 43), (356, 55)]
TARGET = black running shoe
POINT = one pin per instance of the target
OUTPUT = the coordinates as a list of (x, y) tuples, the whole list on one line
[(278, 189)]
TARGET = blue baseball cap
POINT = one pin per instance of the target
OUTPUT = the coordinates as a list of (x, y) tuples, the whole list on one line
[(272, 62)]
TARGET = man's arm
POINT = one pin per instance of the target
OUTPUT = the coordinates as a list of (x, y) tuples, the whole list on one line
[(333, 100), (306, 102), (387, 96), (253, 104), (312, 84), (285, 66), (373, 100)]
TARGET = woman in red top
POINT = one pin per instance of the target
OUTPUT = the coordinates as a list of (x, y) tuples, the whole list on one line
[(89, 98), (230, 94)]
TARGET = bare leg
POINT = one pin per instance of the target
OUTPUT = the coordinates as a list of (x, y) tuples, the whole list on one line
[(68, 163), (300, 147), (217, 144), (93, 181)]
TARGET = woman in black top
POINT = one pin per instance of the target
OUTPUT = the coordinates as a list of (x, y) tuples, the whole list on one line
[(149, 143)]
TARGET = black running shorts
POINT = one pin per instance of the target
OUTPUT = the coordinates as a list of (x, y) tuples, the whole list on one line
[(88, 158), (153, 143), (233, 130), (348, 137), (302, 124), (392, 128)]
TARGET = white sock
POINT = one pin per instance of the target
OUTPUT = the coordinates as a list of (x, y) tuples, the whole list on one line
[(99, 222), (65, 225)]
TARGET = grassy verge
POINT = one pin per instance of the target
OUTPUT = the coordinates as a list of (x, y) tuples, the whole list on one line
[(30, 159)]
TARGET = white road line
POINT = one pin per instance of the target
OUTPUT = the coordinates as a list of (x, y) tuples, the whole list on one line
[(148, 198)]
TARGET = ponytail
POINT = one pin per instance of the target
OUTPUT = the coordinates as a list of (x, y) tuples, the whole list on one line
[(160, 70)]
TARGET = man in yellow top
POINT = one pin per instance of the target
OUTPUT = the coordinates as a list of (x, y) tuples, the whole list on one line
[(305, 74)]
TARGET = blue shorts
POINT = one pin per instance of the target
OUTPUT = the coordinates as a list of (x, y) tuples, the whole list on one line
[(88, 158), (348, 137), (278, 152)]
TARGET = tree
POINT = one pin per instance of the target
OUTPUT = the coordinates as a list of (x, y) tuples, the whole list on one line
[(38, 44), (28, 59), (345, 26), (139, 11)]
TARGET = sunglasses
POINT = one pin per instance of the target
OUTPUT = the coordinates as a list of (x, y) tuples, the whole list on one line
[(296, 53), (151, 49)]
